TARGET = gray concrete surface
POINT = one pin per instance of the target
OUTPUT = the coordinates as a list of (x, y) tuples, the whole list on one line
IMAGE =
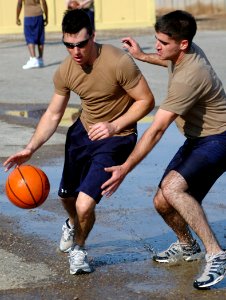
[(128, 229), (33, 88)]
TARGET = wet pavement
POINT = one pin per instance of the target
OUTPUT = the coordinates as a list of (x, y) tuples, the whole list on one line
[(127, 231)]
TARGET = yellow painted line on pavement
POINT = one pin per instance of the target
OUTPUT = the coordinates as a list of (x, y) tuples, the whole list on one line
[(147, 119), (67, 120), (17, 113), (68, 117)]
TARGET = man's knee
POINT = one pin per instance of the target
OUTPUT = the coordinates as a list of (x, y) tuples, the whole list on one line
[(160, 203), (173, 184), (85, 206)]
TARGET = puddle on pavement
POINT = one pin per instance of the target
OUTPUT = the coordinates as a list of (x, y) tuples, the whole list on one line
[(128, 229)]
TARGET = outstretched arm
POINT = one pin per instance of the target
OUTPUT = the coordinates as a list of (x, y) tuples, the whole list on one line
[(134, 49), (45, 129), (146, 143)]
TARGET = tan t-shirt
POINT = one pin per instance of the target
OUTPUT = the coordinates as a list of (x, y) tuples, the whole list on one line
[(32, 8), (88, 5), (197, 95), (102, 88)]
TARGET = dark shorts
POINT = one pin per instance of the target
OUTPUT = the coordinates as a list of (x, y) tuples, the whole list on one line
[(201, 161), (34, 31), (90, 13), (85, 161)]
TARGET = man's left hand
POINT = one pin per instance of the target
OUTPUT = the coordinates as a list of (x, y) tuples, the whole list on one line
[(101, 130)]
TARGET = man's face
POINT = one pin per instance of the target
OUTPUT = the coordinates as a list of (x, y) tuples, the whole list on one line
[(169, 49), (79, 46)]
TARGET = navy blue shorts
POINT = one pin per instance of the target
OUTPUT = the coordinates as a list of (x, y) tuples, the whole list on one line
[(34, 31), (85, 161), (201, 161), (90, 13)]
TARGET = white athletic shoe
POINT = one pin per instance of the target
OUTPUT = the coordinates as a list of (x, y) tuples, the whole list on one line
[(214, 272), (78, 261), (178, 251), (67, 238), (31, 63)]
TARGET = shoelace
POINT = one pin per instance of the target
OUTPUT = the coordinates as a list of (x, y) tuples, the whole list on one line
[(77, 256), (213, 265), (190, 249), (67, 232), (173, 248)]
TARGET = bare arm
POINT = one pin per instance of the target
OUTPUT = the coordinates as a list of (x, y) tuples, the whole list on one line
[(143, 104), (45, 8), (85, 2), (134, 49), (45, 129), (18, 11), (146, 143)]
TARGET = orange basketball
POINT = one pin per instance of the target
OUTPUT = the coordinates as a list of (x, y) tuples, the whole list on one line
[(27, 186)]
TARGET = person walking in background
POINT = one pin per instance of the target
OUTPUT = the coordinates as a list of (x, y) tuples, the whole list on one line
[(196, 101), (114, 96), (34, 29), (86, 5)]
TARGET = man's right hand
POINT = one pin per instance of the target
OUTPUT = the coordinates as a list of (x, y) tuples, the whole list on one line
[(17, 159), (18, 22)]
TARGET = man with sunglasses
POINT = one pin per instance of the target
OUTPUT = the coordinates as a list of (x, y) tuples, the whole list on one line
[(114, 96)]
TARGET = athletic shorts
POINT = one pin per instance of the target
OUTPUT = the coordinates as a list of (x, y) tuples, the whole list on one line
[(201, 161), (85, 161), (90, 13), (34, 31)]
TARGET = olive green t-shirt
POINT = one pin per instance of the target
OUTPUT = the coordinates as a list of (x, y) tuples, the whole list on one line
[(102, 88), (197, 95)]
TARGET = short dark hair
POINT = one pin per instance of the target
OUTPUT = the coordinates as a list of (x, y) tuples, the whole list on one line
[(75, 20), (178, 25)]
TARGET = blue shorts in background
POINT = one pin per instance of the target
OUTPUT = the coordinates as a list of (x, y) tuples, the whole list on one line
[(34, 30)]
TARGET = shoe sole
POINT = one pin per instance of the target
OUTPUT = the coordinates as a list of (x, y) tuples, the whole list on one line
[(65, 250), (197, 256), (31, 68), (80, 271), (187, 259), (210, 283), (162, 261)]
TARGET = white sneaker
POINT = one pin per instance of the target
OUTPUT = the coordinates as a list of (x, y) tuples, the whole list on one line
[(67, 238), (78, 261), (214, 272), (31, 63), (40, 62), (178, 251)]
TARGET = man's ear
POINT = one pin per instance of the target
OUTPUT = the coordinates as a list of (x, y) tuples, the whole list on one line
[(184, 44)]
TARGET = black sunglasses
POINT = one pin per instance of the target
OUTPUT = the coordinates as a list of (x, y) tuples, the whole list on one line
[(80, 45)]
